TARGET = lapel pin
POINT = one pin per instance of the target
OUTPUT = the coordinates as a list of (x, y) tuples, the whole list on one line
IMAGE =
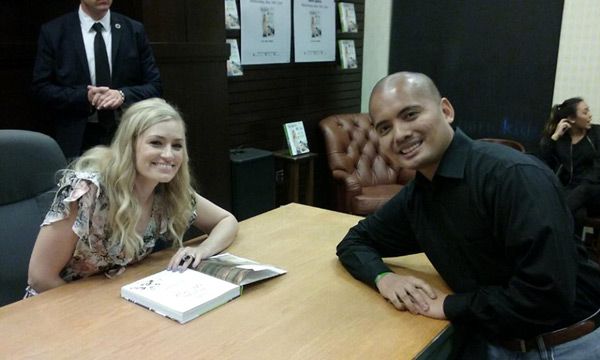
[(117, 26)]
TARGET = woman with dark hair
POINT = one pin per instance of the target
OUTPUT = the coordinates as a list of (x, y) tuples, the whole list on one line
[(570, 145)]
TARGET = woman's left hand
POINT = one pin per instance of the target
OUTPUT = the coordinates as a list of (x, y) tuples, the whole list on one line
[(185, 257)]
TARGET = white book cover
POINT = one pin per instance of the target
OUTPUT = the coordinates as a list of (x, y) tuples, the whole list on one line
[(347, 54), (347, 17), (181, 296), (296, 138), (234, 65), (232, 20)]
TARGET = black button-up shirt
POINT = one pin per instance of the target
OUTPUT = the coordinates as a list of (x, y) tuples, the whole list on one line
[(494, 224)]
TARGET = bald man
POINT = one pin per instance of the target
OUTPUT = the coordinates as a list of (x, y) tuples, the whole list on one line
[(491, 220)]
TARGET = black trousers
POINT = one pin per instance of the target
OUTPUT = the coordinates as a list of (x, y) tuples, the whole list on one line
[(583, 200)]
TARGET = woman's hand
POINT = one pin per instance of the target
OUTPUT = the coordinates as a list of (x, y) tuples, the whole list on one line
[(185, 257), (221, 228), (561, 129)]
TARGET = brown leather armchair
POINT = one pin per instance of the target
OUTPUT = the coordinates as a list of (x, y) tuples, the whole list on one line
[(364, 178)]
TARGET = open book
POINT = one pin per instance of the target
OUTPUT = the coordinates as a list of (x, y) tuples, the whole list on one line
[(183, 296)]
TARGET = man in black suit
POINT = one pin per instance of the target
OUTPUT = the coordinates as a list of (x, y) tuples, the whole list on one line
[(83, 89)]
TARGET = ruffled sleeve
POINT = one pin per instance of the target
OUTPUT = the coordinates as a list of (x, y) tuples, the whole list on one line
[(92, 207)]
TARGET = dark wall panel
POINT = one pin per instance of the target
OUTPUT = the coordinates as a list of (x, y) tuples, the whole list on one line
[(494, 60), (267, 96)]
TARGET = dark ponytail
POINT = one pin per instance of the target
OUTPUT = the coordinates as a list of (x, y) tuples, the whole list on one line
[(560, 111)]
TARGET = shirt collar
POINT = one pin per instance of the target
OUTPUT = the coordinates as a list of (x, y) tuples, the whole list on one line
[(454, 159), (87, 21)]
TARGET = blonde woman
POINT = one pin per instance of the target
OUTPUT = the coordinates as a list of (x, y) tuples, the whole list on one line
[(115, 204)]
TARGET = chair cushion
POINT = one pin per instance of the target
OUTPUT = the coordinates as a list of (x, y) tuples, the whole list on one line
[(28, 164), (20, 223), (373, 197)]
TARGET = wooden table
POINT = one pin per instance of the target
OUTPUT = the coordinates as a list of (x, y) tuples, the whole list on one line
[(315, 311), (293, 169)]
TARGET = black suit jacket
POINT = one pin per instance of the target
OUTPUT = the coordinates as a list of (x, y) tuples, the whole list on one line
[(61, 73)]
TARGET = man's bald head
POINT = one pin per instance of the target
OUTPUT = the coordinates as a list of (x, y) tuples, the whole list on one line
[(415, 83), (412, 121)]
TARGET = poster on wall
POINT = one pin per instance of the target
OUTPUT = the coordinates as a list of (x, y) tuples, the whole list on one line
[(314, 30), (266, 31)]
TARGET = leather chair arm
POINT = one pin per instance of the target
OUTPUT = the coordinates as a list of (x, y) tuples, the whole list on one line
[(347, 187)]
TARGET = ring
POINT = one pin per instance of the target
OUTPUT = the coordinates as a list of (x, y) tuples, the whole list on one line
[(187, 257)]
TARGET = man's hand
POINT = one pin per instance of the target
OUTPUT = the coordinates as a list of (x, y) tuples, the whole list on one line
[(104, 98), (94, 93), (436, 306), (407, 293)]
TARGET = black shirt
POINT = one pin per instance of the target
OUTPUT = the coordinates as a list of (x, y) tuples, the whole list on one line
[(584, 155), (494, 224)]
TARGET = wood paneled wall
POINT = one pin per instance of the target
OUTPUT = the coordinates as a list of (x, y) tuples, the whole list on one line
[(267, 96)]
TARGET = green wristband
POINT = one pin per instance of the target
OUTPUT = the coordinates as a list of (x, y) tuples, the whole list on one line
[(381, 275)]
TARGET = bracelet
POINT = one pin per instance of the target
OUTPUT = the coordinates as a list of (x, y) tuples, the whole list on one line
[(381, 276), (122, 95)]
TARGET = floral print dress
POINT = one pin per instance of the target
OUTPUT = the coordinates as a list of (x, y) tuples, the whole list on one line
[(93, 253)]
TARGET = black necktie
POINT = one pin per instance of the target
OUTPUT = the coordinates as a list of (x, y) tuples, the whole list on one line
[(105, 117)]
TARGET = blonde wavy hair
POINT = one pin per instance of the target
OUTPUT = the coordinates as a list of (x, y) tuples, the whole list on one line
[(117, 169)]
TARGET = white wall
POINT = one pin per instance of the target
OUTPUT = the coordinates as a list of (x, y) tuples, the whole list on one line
[(376, 46), (578, 68)]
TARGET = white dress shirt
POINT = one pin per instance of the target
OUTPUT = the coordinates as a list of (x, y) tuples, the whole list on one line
[(88, 40)]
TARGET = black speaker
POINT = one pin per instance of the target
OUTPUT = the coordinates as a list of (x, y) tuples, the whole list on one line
[(252, 182)]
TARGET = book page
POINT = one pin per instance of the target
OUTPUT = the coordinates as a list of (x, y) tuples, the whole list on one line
[(237, 270)]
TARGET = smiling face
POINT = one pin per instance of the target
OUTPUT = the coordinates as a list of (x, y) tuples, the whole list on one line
[(412, 121), (159, 152), (583, 117)]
